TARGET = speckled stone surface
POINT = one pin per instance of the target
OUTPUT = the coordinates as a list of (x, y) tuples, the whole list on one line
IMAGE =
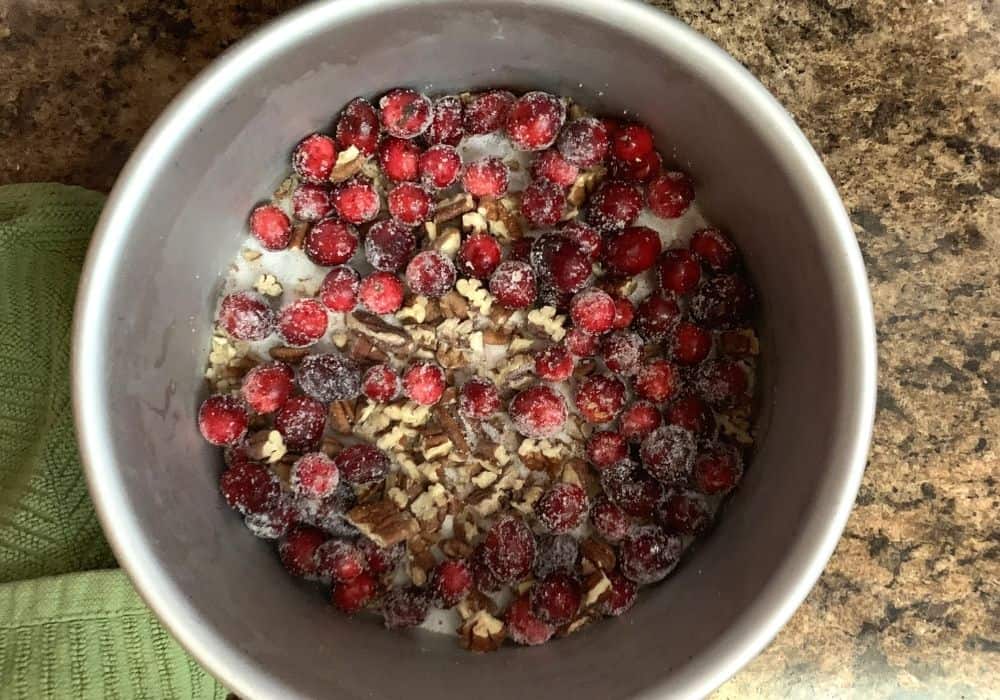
[(902, 100)]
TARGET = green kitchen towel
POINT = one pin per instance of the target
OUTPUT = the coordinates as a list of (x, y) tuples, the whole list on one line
[(67, 628)]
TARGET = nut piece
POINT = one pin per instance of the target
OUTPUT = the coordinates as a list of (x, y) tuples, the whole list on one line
[(454, 306), (349, 163), (478, 296), (384, 335), (448, 241), (266, 445), (414, 310), (453, 207), (451, 427), (382, 522), (597, 587), (473, 222), (600, 554), (548, 321), (268, 285), (361, 348), (342, 416), (299, 232), (482, 632)]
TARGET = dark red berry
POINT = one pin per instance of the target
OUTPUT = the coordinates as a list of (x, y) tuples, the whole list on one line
[(692, 413), (356, 200), (450, 581), (621, 597), (624, 313), (381, 561), (300, 422), (641, 169), (271, 227), (684, 512), (722, 302), (513, 284), (538, 411), (245, 316), (668, 453), (446, 122), (302, 322), (600, 399), (557, 598), (639, 420), (679, 271), (314, 475), (722, 383), (580, 343), (555, 553), (381, 293), (487, 112), (479, 399), (311, 202), (222, 419), (586, 237), (250, 488), (314, 157), (562, 507), (405, 607), (339, 290), (670, 194), (509, 549), (484, 579), (569, 267), (431, 274), (358, 126), (631, 142), (656, 317), (605, 448), (272, 522), (440, 166), (479, 255), (593, 310), (542, 203), (331, 242), (622, 352), (298, 550), (381, 383), (554, 363), (690, 344), (362, 464), (614, 205), (656, 380), (399, 159), (351, 597), (715, 249), (266, 388), (389, 245), (329, 377), (424, 383), (583, 142), (486, 177), (632, 251), (520, 250), (649, 554), (717, 472), (522, 625), (409, 203), (551, 166), (632, 490), (404, 113), (534, 121), (340, 560), (611, 522)]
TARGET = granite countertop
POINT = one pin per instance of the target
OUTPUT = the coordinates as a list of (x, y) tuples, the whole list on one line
[(902, 100)]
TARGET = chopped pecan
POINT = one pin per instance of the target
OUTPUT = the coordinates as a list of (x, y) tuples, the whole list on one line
[(475, 602), (361, 348), (331, 447), (453, 207), (287, 354), (382, 522), (584, 368), (495, 336), (382, 334), (349, 163), (482, 632), (449, 356), (343, 415), (456, 548), (449, 422), (299, 232), (454, 306), (600, 554)]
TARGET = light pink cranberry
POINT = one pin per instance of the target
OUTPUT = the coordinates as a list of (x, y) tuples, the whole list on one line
[(534, 121), (431, 274), (330, 242), (405, 113), (593, 310), (639, 420), (538, 411), (583, 142), (656, 380), (479, 255), (381, 383), (632, 251), (352, 596), (479, 399), (486, 177), (222, 419), (301, 421), (298, 550), (679, 271), (551, 166), (389, 245), (424, 383), (250, 488), (450, 581), (446, 122), (562, 507), (266, 388), (311, 202), (302, 322), (381, 293), (513, 284), (554, 363), (362, 464), (614, 205), (440, 166), (340, 560), (487, 112), (649, 554), (314, 157), (358, 126), (314, 475), (611, 522), (622, 352), (271, 227), (399, 159), (670, 194), (409, 203), (339, 290), (542, 203), (600, 399), (605, 448), (356, 200), (656, 317), (556, 599), (245, 316)]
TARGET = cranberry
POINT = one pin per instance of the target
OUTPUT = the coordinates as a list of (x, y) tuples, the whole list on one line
[(586, 237), (381, 383), (569, 267), (692, 413), (554, 363), (690, 344), (631, 142), (555, 553), (562, 507), (354, 595), (245, 316), (488, 111), (405, 113), (431, 274), (679, 271), (450, 581), (479, 399), (302, 322), (580, 343), (266, 388), (599, 399), (424, 383), (300, 422), (222, 419), (656, 381), (329, 377), (486, 177), (311, 202), (621, 352), (362, 464), (715, 248), (670, 194), (624, 313), (509, 549), (446, 122), (534, 121), (557, 598), (314, 475), (611, 522), (593, 311), (641, 169), (339, 290), (632, 251), (399, 159), (684, 512), (656, 317), (340, 560), (405, 607), (271, 227), (409, 203), (298, 550), (668, 453), (314, 157), (482, 576), (331, 242), (273, 522), (583, 142), (381, 561), (649, 554), (381, 293), (522, 625), (639, 420), (632, 490), (358, 126), (722, 383), (722, 302), (717, 472), (605, 448), (614, 205), (513, 284), (551, 166), (621, 596), (479, 255), (356, 200), (542, 203), (250, 488), (520, 250), (538, 411), (389, 245), (440, 166)]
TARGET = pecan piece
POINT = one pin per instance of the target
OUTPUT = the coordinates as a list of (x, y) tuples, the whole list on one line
[(600, 554), (384, 335), (449, 423), (453, 207), (382, 522), (482, 632), (287, 354), (342, 416)]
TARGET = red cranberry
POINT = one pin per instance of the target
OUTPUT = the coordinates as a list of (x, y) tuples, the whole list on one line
[(656, 381), (271, 227), (450, 581), (362, 464), (690, 344), (446, 122), (593, 311), (486, 177), (246, 316), (624, 313), (580, 343), (329, 377), (314, 157), (479, 399), (717, 472), (586, 237), (522, 625), (534, 121), (722, 302), (557, 598), (358, 126), (554, 363), (509, 549), (389, 245), (648, 555), (583, 142), (569, 268), (424, 383), (381, 383), (351, 597), (405, 607), (431, 274), (670, 194), (381, 293), (250, 488), (399, 159), (722, 383), (520, 250), (222, 419), (538, 411), (684, 512), (632, 490), (356, 200), (409, 203), (339, 290), (622, 352), (631, 142), (479, 255), (639, 420), (642, 169), (331, 242), (266, 388), (314, 476), (302, 322), (300, 422), (679, 271), (440, 166), (562, 507), (656, 317), (599, 399), (611, 522), (311, 202), (691, 413), (668, 453), (614, 205), (298, 550), (632, 251), (488, 111), (405, 113), (513, 284), (542, 203), (621, 597), (482, 576), (715, 248), (605, 448), (272, 522), (551, 166), (381, 561), (340, 560), (555, 553)]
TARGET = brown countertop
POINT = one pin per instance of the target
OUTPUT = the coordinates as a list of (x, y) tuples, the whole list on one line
[(902, 100)]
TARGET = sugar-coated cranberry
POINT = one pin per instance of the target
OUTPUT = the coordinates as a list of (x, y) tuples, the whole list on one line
[(679, 271), (431, 274), (538, 411), (424, 383), (621, 596), (339, 290), (668, 453), (614, 205), (358, 126), (273, 522), (569, 267), (389, 245), (639, 420), (222, 419), (520, 250), (440, 166), (684, 512), (523, 626), (551, 166), (487, 112), (725, 301), (670, 194), (311, 202), (717, 472), (362, 464), (340, 560), (554, 363), (331, 242), (479, 399), (509, 549), (722, 383), (300, 422), (622, 352), (479, 255), (632, 251), (586, 237), (329, 377), (356, 200), (656, 317), (631, 142), (381, 383), (381, 561), (314, 157), (542, 203), (692, 413), (399, 159), (534, 121), (713, 247), (593, 310), (314, 475), (599, 399), (409, 203), (483, 578), (580, 343), (649, 554), (690, 344), (605, 448), (405, 113), (298, 550), (513, 284), (266, 388), (352, 596), (450, 581), (250, 488), (611, 522), (271, 227), (632, 490), (656, 380), (641, 169), (302, 322), (381, 293), (556, 598), (405, 607), (246, 316), (562, 507), (624, 313), (486, 177), (446, 122), (555, 553), (583, 142)]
